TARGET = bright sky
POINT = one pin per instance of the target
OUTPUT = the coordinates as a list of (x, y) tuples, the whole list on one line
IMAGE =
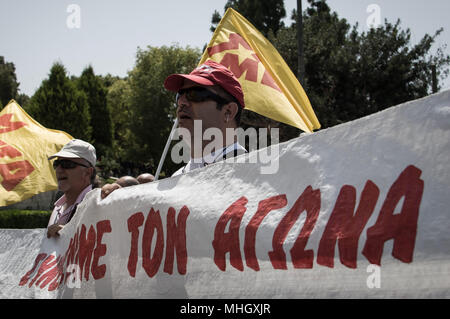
[(35, 33)]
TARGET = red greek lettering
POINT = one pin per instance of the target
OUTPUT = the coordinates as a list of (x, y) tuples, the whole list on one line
[(134, 222), (401, 227), (151, 263), (98, 271), (346, 227), (72, 250), (176, 240), (264, 207), (85, 251), (229, 242), (48, 263), (309, 201), (49, 275), (37, 262)]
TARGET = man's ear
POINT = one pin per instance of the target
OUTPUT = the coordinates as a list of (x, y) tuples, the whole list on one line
[(230, 110)]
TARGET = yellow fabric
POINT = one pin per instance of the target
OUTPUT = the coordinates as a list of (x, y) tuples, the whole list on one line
[(25, 146), (270, 88)]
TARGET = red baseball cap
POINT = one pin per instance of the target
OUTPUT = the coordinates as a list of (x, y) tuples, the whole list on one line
[(208, 74)]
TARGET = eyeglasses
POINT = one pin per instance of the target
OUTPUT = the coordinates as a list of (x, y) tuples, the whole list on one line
[(67, 164), (200, 94)]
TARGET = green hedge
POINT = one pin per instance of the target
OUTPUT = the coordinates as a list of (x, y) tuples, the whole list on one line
[(24, 219)]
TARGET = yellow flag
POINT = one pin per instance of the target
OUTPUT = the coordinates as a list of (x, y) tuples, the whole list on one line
[(270, 88), (25, 146)]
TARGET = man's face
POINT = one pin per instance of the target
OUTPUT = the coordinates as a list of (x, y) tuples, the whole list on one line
[(207, 112), (189, 113), (73, 179)]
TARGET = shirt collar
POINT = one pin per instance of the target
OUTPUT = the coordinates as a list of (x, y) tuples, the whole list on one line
[(80, 197), (214, 156)]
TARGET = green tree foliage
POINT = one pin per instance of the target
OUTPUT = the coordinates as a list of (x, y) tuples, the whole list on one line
[(108, 80), (152, 107), (8, 81), (393, 70), (101, 122), (266, 15), (58, 104), (118, 99), (22, 99), (350, 74)]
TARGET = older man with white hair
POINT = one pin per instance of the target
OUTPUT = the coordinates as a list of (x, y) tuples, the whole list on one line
[(75, 173)]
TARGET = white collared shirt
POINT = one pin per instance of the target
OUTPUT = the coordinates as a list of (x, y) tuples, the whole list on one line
[(214, 157)]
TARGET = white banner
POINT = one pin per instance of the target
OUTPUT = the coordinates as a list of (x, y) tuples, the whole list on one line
[(360, 210)]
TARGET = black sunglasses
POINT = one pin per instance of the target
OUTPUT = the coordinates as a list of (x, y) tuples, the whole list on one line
[(200, 94), (67, 164)]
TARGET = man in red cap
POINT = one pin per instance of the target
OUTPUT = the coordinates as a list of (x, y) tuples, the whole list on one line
[(212, 97)]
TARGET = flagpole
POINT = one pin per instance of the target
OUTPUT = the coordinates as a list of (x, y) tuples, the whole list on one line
[(166, 148), (301, 66)]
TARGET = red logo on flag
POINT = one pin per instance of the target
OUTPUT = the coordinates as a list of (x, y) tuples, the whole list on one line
[(15, 172), (248, 66)]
